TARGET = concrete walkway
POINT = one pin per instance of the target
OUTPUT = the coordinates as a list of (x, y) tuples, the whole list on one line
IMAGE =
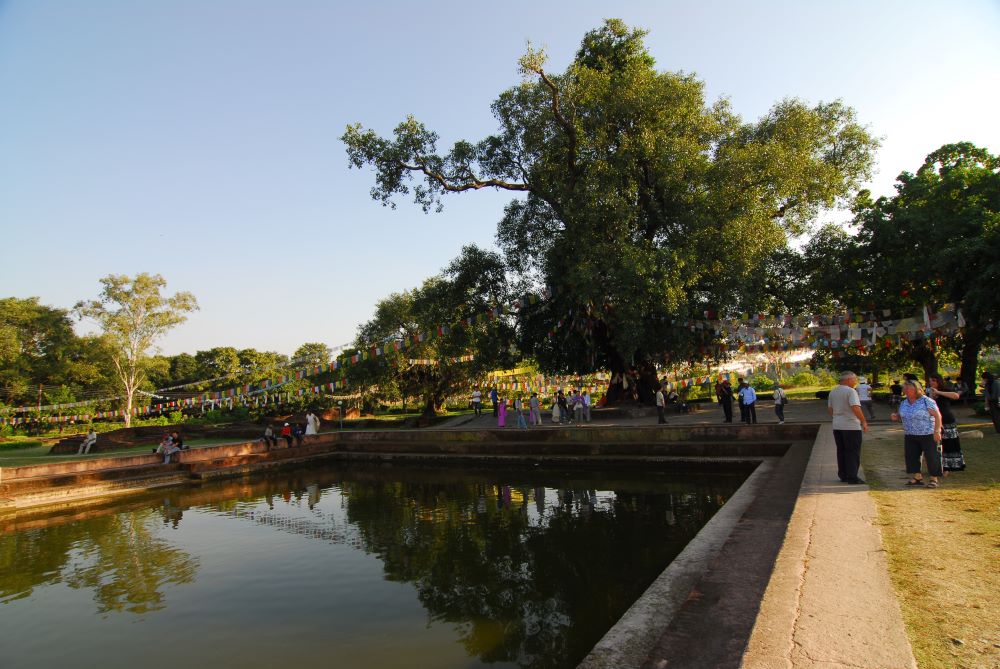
[(830, 602)]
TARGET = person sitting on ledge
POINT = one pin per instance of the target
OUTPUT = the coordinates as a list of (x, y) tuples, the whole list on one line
[(167, 448), (87, 442)]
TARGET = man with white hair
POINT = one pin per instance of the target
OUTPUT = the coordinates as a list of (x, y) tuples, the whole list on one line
[(849, 424), (865, 395)]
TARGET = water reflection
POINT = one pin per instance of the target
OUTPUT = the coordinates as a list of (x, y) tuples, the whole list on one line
[(117, 557), (525, 568)]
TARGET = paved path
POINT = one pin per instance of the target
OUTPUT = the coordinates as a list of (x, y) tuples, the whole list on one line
[(830, 602)]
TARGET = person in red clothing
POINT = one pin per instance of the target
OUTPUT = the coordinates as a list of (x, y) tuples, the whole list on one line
[(286, 433)]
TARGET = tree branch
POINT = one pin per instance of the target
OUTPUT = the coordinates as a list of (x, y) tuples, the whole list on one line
[(473, 184)]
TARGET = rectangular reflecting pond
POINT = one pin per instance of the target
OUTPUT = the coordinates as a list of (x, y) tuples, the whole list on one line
[(348, 566)]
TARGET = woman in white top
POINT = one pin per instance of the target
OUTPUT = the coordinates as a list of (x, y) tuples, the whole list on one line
[(779, 403), (865, 395)]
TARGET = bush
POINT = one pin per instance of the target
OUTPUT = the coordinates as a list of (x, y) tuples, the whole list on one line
[(762, 382), (20, 443), (827, 378), (696, 393), (804, 379)]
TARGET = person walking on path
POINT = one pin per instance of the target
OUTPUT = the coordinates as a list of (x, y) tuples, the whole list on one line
[(865, 395), (556, 416), (849, 425), (535, 413), (921, 433), (740, 385), (87, 442), (660, 406), (494, 398), (748, 399), (563, 408), (943, 394), (780, 400), (991, 395), (312, 423), (501, 412), (577, 401), (477, 400), (895, 394), (519, 409), (724, 393), (586, 405)]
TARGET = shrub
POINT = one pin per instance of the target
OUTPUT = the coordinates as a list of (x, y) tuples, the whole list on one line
[(762, 382), (827, 378), (804, 379)]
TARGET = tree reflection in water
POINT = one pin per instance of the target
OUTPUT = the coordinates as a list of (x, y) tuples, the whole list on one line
[(524, 581), (529, 567), (117, 556)]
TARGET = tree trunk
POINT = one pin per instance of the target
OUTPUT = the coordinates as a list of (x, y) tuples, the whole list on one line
[(128, 407), (429, 403), (924, 355), (973, 341), (636, 384)]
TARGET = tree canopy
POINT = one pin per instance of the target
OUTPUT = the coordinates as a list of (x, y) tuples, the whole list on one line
[(133, 315), (637, 199), (424, 339)]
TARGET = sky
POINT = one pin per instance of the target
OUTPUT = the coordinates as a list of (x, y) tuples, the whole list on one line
[(199, 139)]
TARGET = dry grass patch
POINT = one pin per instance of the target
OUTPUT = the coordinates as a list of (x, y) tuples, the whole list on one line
[(943, 548)]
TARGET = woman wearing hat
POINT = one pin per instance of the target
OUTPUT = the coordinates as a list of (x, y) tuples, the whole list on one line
[(865, 396), (921, 433)]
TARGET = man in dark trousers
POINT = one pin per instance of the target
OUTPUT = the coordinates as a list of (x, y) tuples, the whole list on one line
[(740, 385), (494, 398), (724, 393), (849, 424)]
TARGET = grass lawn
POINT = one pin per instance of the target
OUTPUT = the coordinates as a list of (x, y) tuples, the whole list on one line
[(943, 547), (39, 455)]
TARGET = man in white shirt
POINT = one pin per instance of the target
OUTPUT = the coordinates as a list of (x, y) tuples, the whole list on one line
[(748, 398), (660, 403), (477, 400), (865, 396), (586, 405), (848, 426)]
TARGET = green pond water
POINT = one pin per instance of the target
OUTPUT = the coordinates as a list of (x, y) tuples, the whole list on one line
[(337, 566)]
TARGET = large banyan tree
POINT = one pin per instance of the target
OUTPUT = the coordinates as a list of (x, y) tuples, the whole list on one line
[(639, 203)]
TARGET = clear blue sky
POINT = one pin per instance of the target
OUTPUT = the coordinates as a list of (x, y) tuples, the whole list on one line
[(199, 139)]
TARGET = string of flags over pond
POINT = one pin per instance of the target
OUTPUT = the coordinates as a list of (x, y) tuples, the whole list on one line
[(859, 331)]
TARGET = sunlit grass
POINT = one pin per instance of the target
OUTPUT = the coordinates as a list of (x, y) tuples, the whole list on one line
[(943, 548)]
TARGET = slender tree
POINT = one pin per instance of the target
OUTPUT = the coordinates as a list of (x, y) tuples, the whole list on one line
[(133, 315)]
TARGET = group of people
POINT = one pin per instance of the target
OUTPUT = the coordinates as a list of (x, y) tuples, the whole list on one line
[(930, 430), (292, 432), (566, 409), (171, 443), (746, 397)]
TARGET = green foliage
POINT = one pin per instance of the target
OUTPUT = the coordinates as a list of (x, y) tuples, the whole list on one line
[(38, 347), (133, 315), (804, 380), (827, 378), (644, 202), (19, 444), (473, 283), (762, 382)]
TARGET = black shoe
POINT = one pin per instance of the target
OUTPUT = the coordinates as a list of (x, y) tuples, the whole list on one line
[(855, 481)]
